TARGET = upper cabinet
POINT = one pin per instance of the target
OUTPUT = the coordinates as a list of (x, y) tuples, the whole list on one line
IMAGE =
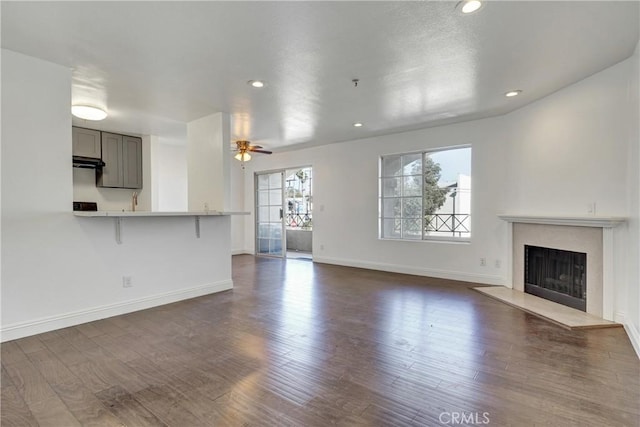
[(122, 156), (111, 175), (86, 143), (132, 162)]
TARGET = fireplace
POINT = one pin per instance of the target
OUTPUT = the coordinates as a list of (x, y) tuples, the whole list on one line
[(589, 234), (557, 275)]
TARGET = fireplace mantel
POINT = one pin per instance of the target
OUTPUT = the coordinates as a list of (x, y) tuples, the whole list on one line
[(577, 221), (607, 225)]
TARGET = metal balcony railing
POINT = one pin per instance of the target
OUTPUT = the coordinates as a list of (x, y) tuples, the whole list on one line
[(456, 224), (298, 220)]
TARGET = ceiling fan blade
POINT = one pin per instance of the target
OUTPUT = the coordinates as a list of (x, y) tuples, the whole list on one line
[(251, 147), (262, 151)]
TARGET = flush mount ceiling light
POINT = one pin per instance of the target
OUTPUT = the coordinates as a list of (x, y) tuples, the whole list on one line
[(469, 6), (88, 113), (513, 93), (357, 125), (256, 83)]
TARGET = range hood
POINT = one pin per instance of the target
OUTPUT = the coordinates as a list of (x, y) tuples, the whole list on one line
[(87, 162)]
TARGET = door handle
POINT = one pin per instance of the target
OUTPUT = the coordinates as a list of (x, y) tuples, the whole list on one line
[(280, 213)]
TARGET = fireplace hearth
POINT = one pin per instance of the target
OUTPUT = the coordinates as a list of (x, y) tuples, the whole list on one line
[(557, 275)]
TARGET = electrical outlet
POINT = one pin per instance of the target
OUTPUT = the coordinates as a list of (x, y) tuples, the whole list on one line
[(127, 282), (483, 262), (591, 208), (498, 263)]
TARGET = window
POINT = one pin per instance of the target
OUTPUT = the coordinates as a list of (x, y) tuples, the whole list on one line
[(426, 195)]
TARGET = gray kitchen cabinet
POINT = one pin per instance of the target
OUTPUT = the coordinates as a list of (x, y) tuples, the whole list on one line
[(111, 175), (122, 156), (86, 142), (132, 161)]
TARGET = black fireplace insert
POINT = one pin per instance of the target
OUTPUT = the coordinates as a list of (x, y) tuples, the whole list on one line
[(556, 275)]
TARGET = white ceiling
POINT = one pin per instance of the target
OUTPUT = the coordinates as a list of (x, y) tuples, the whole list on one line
[(157, 65)]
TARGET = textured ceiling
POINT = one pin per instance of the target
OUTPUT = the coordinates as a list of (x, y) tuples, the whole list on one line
[(157, 65)]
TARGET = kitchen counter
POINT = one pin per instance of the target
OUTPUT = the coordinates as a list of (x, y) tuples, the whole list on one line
[(118, 217), (120, 214)]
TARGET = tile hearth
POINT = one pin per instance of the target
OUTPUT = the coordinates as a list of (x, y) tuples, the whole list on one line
[(559, 314)]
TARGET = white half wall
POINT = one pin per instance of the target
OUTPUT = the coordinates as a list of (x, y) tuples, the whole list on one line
[(59, 270)]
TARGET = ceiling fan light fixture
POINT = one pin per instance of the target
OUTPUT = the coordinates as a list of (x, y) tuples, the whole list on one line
[(256, 83), (242, 157), (513, 93), (469, 6), (88, 112)]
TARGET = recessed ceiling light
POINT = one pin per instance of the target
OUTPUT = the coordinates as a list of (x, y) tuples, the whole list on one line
[(256, 83), (469, 6), (88, 113), (513, 93), (357, 125)]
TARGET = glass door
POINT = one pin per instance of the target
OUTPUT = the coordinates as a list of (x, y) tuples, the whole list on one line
[(269, 218)]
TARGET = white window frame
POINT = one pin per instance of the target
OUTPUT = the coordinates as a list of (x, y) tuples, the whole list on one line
[(425, 237)]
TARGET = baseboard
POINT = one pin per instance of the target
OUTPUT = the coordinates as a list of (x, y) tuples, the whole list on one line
[(45, 324), (241, 252), (634, 337), (405, 269), (619, 317)]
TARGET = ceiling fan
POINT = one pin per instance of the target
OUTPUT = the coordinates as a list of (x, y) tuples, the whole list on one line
[(243, 149)]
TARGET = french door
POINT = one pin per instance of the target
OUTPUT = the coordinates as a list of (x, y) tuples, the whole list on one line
[(269, 209)]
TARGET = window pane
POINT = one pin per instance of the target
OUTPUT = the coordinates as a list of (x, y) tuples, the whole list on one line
[(412, 164), (412, 207), (391, 166), (274, 213), (276, 231), (263, 182), (449, 200), (391, 207), (263, 230), (391, 228), (263, 214), (391, 187), (275, 197), (263, 246), (275, 180), (275, 247), (411, 229), (412, 186), (263, 197)]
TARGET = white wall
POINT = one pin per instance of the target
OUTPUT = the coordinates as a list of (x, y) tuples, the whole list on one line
[(345, 223), (633, 252), (237, 205), (570, 148), (108, 199), (208, 160), (58, 269), (170, 170), (554, 156)]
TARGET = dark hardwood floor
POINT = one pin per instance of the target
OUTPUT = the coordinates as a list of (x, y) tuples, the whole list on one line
[(303, 344)]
